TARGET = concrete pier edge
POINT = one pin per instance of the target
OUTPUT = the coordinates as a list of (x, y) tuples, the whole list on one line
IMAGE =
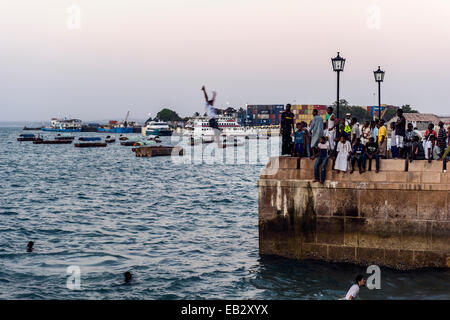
[(393, 218)]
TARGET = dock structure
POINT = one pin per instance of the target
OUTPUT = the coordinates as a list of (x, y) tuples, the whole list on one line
[(394, 218), (155, 151)]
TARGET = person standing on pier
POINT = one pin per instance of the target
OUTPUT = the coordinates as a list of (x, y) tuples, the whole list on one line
[(355, 133), (322, 159), (442, 138), (286, 130), (331, 127), (382, 139), (316, 130), (400, 132)]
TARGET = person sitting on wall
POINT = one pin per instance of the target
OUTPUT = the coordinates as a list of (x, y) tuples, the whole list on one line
[(372, 153), (436, 151), (430, 142), (409, 140), (358, 155), (322, 159), (343, 151), (418, 153), (340, 132)]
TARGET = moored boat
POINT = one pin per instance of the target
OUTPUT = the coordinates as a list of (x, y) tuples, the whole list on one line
[(64, 137), (90, 144), (110, 139), (41, 141), (157, 128), (26, 137), (64, 125), (89, 139)]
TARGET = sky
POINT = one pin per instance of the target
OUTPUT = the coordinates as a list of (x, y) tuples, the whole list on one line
[(98, 59)]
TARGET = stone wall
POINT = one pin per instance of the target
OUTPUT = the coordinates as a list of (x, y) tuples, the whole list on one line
[(392, 218)]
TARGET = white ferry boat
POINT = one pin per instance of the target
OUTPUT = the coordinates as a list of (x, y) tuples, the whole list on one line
[(158, 128), (227, 125), (64, 125)]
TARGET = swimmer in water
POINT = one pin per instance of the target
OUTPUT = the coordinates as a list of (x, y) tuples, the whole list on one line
[(30, 246), (128, 276), (353, 292)]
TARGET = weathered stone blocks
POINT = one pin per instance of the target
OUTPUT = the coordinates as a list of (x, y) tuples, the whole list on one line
[(391, 218)]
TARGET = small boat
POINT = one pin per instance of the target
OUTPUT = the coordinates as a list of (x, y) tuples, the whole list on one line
[(64, 137), (26, 137), (154, 151), (89, 139), (129, 143), (123, 138), (145, 143), (41, 141), (90, 144), (110, 139), (156, 139), (28, 128)]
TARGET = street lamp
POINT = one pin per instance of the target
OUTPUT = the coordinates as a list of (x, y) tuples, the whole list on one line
[(338, 66), (379, 77)]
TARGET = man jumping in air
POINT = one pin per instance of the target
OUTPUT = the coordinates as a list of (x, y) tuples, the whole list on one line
[(209, 106)]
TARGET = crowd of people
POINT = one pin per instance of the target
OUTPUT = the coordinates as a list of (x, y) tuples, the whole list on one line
[(347, 143)]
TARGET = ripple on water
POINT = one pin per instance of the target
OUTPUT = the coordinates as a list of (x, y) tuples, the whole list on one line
[(185, 231)]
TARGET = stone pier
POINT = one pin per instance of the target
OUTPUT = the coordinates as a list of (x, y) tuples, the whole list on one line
[(394, 218)]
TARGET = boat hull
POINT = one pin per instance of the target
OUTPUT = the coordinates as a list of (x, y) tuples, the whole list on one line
[(52, 142), (116, 130), (157, 132), (90, 145), (60, 130)]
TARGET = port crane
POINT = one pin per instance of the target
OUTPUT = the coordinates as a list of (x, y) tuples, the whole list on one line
[(125, 123)]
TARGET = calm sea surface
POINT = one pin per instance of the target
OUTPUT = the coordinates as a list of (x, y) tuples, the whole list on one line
[(186, 230)]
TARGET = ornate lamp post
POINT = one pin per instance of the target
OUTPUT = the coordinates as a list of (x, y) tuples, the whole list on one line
[(338, 66), (379, 77)]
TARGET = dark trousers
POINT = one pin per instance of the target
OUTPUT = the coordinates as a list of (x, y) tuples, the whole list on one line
[(321, 161), (377, 162), (358, 159), (286, 144)]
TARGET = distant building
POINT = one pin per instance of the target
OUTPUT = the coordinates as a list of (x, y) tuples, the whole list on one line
[(445, 119), (419, 120)]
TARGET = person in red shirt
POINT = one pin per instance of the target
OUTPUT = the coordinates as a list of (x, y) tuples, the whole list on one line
[(430, 132)]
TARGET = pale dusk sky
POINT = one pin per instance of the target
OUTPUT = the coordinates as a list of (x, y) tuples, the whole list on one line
[(97, 59)]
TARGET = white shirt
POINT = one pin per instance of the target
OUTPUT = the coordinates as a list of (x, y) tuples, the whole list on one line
[(330, 125), (210, 110), (353, 291)]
